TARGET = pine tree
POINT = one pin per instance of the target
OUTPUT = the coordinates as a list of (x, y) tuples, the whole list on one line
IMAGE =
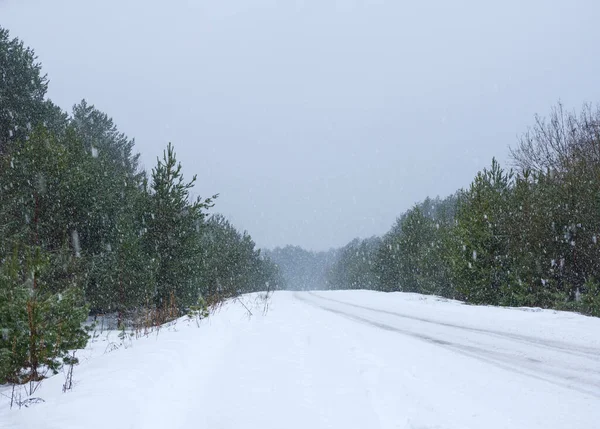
[(41, 317), (415, 254), (481, 258), (22, 93), (231, 264), (111, 210), (173, 233), (354, 268), (41, 301)]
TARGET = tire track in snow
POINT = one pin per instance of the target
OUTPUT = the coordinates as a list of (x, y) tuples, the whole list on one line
[(523, 365), (588, 352)]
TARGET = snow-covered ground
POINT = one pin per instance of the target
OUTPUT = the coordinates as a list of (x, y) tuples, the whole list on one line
[(354, 359)]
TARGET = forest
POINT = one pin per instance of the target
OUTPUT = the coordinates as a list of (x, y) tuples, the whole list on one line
[(85, 231), (522, 236)]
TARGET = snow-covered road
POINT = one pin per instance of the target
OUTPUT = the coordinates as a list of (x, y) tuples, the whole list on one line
[(574, 366), (352, 359)]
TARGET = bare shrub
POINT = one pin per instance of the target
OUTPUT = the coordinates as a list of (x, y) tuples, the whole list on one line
[(557, 143)]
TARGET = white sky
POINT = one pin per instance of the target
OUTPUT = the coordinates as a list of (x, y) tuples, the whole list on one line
[(320, 121)]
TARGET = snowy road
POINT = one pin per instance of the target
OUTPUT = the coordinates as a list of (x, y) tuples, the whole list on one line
[(567, 365), (354, 359)]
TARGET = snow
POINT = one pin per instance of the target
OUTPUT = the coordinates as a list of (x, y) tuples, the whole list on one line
[(344, 359)]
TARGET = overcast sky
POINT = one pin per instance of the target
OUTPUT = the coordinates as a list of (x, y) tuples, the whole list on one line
[(317, 121)]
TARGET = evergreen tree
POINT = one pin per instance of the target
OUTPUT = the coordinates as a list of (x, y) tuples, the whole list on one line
[(114, 212), (231, 265), (481, 259), (354, 268), (415, 255), (40, 325), (22, 93), (173, 231), (41, 299)]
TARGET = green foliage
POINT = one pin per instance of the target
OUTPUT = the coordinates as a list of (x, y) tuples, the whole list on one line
[(81, 228), (111, 209), (590, 301), (40, 320), (199, 310), (481, 263), (354, 268), (524, 239), (414, 255), (173, 232), (231, 264), (22, 91), (42, 302), (13, 318)]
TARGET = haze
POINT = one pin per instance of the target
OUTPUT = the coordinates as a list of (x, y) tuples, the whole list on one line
[(321, 121)]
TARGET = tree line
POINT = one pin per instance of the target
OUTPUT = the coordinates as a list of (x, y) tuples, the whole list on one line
[(526, 236), (303, 269), (84, 230)]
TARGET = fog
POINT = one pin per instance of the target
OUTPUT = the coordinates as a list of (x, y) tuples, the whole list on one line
[(321, 121)]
